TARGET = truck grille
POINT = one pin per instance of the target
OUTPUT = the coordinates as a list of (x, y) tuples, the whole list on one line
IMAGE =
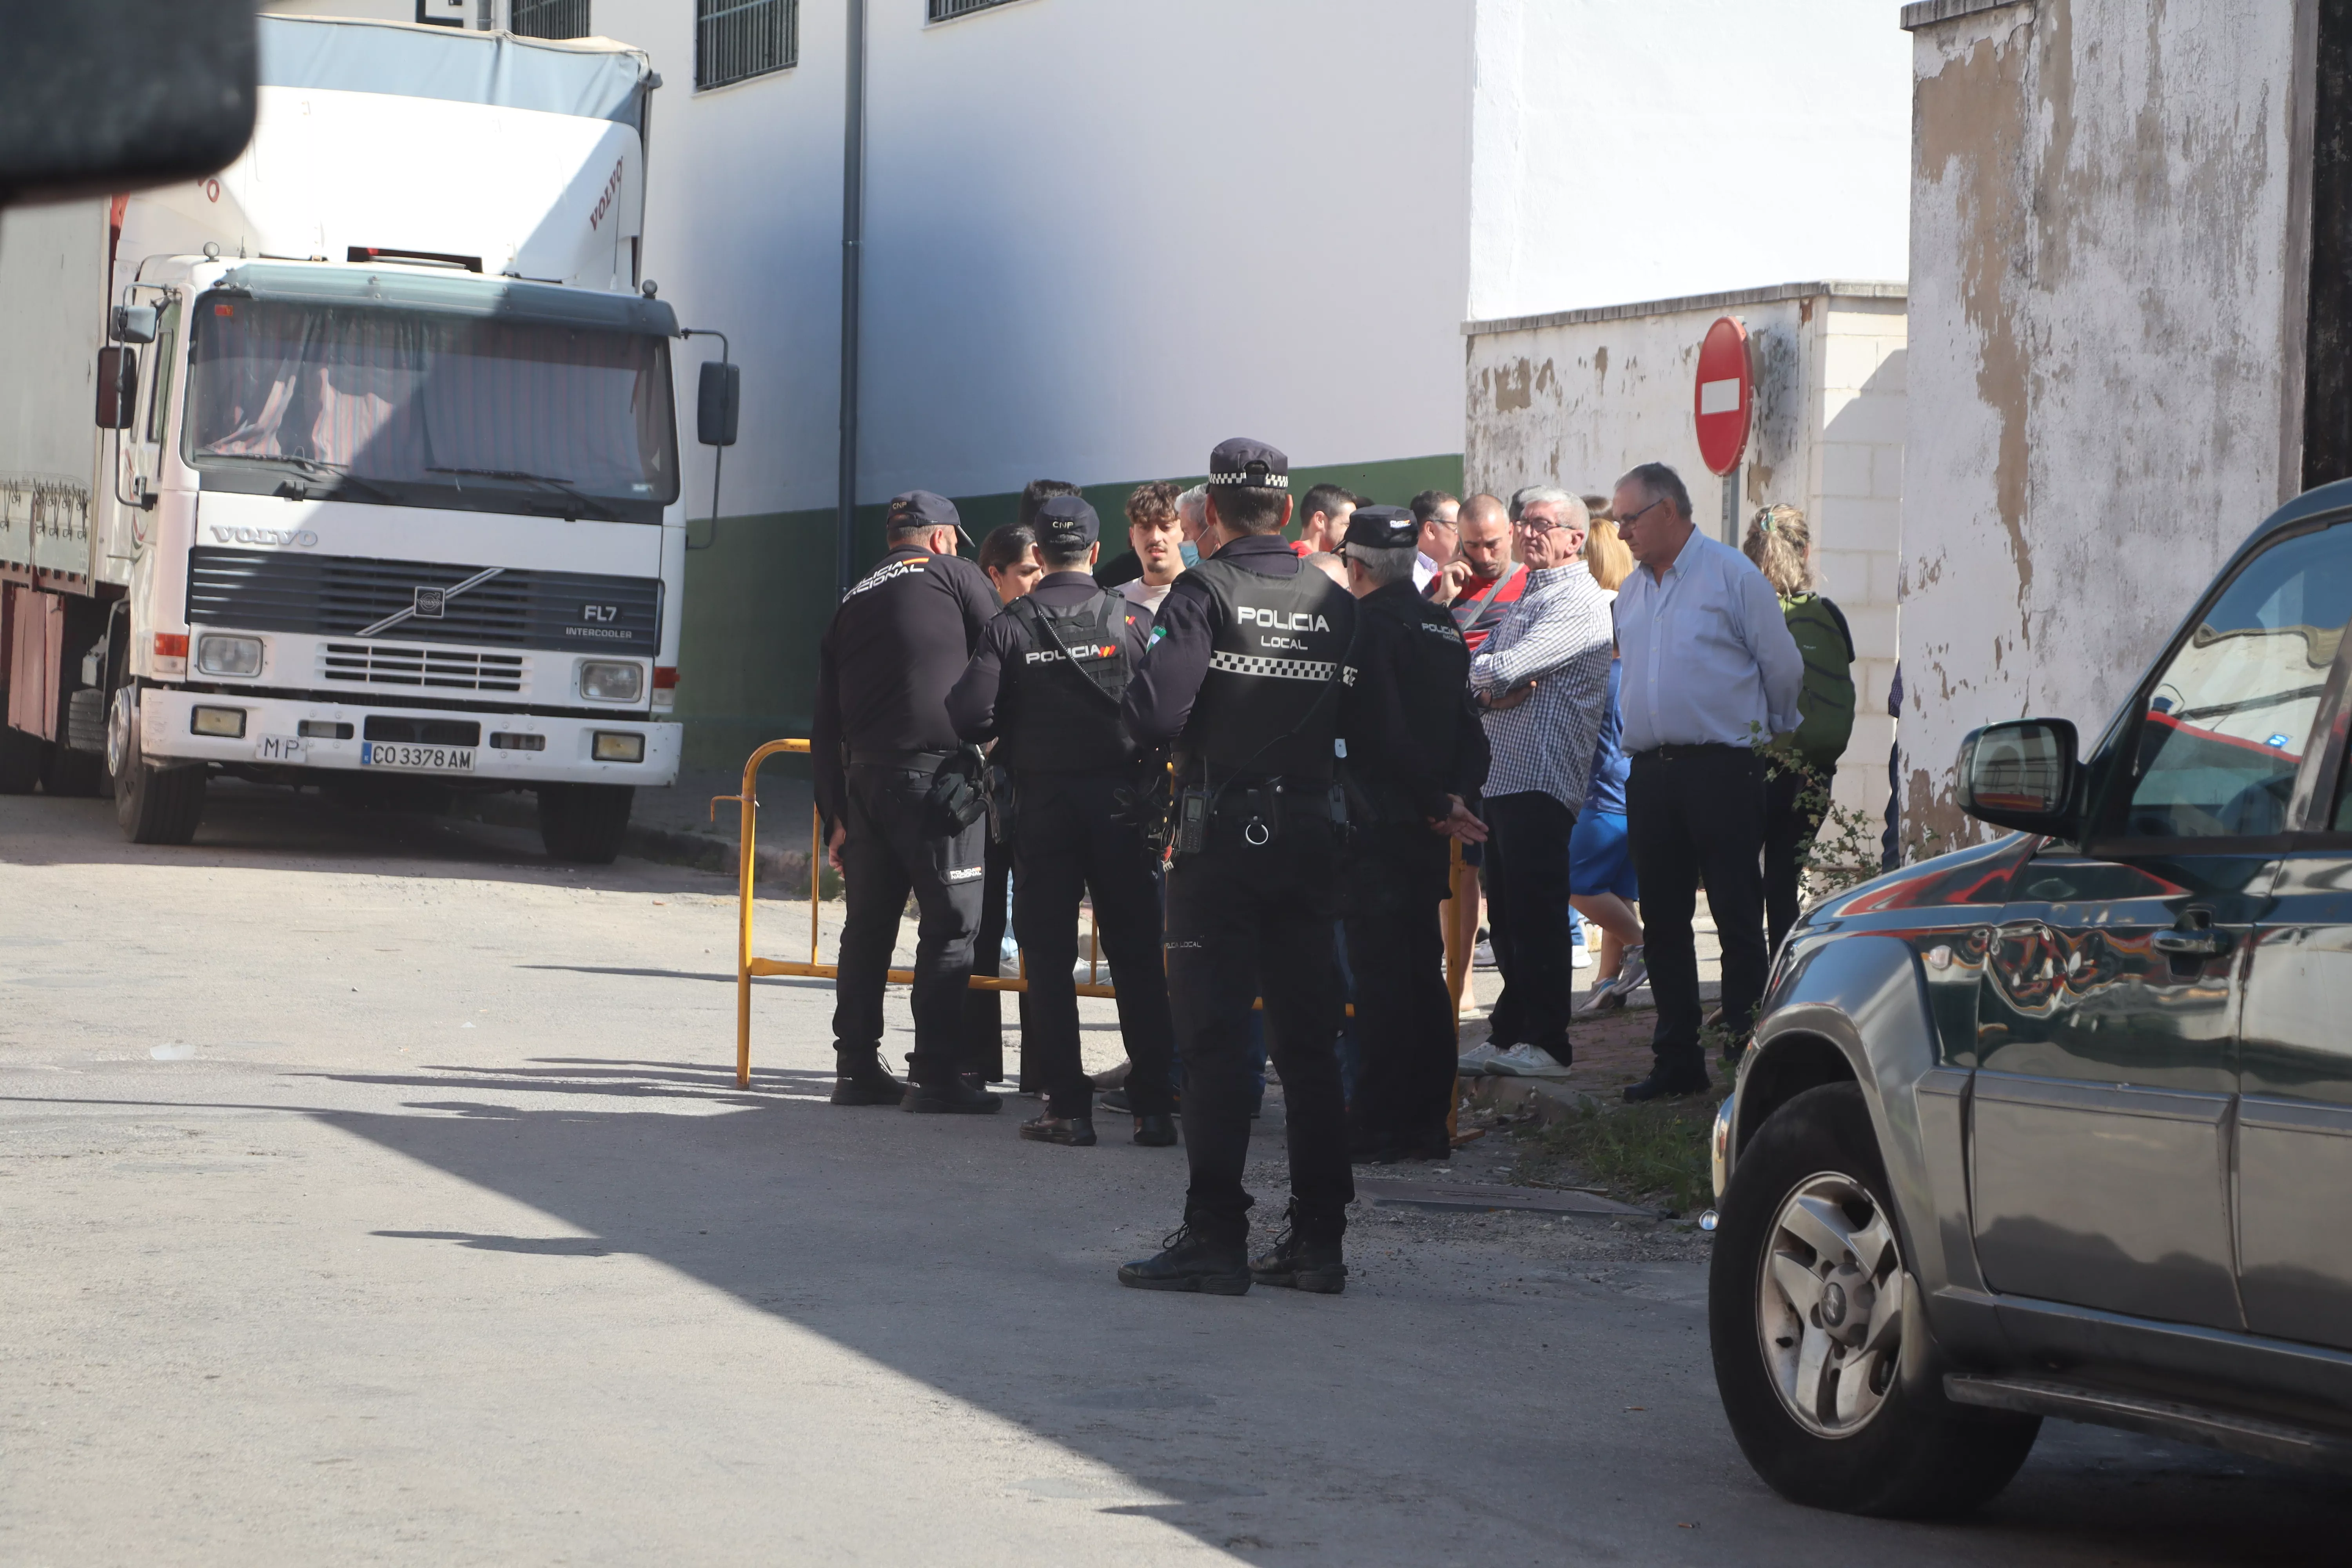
[(380, 664), (341, 597)]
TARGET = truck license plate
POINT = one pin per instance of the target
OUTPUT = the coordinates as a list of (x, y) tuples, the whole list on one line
[(416, 759)]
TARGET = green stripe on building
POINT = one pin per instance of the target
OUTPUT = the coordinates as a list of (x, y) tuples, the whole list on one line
[(758, 600)]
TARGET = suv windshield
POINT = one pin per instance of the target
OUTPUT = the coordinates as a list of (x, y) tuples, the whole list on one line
[(427, 408)]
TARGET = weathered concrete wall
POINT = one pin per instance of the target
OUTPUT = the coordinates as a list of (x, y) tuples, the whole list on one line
[(1579, 397), (2106, 323)]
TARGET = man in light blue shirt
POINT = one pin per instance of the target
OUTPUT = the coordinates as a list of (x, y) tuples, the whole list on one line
[(1709, 673)]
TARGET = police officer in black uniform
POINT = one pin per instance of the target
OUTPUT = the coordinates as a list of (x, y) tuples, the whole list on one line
[(1416, 752), (904, 815), (1247, 665), (1046, 681)]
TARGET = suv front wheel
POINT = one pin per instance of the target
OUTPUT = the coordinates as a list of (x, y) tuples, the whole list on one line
[(1805, 1300)]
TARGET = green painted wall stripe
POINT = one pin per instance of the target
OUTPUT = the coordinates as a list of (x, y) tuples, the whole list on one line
[(757, 602)]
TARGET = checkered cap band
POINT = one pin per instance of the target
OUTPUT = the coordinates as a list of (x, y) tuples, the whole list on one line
[(1280, 669), (1260, 481)]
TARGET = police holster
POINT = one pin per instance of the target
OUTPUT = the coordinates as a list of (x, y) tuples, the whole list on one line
[(1003, 804), (959, 797)]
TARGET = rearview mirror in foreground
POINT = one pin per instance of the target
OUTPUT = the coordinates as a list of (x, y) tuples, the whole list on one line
[(2020, 774)]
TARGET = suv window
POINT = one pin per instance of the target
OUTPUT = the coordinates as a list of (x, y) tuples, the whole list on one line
[(2228, 721)]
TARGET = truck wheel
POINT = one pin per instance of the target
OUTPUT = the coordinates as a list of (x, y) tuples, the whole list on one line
[(1805, 1299), (155, 805), (585, 822), (21, 756)]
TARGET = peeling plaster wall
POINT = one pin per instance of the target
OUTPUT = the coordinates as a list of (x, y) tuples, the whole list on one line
[(2105, 316), (1579, 403)]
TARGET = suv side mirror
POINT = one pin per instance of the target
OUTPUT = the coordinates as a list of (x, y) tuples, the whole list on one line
[(2022, 774), (118, 387), (719, 403)]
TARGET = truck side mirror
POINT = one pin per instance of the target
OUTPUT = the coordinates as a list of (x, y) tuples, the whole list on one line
[(2022, 774), (118, 387), (719, 403), (134, 324)]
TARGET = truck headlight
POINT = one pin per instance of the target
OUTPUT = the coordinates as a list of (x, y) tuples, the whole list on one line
[(218, 654), (609, 681), (612, 747)]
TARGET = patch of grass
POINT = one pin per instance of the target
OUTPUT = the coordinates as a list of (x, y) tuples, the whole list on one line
[(1653, 1153)]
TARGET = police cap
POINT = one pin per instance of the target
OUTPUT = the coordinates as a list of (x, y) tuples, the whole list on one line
[(1250, 465), (1066, 523), (1382, 528), (922, 509)]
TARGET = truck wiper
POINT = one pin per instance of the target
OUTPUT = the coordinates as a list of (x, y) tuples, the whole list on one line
[(561, 487), (337, 480)]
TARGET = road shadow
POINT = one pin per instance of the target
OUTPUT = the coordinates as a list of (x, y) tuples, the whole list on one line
[(918, 1241)]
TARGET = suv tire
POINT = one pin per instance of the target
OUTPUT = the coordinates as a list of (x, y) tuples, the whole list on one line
[(585, 822), (152, 805), (1804, 1316)]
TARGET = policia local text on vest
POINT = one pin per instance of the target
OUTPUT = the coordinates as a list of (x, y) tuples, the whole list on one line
[(1247, 666)]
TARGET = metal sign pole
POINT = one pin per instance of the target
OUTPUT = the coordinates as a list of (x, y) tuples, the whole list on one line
[(1731, 506)]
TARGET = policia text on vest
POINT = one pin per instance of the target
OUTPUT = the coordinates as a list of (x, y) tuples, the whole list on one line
[(1045, 682), (1247, 665)]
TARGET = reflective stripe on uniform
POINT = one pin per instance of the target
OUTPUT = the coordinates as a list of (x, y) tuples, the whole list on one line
[(1280, 669)]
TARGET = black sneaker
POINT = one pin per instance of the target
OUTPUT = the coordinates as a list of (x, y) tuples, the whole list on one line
[(1072, 1131), (1188, 1260), (1306, 1257), (868, 1085), (1115, 1101), (1669, 1083), (953, 1098), (1155, 1132)]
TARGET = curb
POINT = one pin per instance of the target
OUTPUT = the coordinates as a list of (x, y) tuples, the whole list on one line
[(703, 851)]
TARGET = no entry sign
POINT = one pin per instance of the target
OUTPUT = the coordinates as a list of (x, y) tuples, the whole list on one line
[(1725, 396)]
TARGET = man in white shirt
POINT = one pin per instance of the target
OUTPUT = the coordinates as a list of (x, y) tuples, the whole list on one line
[(1710, 672), (1438, 516), (1155, 532)]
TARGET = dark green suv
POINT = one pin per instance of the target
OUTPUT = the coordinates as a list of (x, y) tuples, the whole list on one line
[(2062, 1125)]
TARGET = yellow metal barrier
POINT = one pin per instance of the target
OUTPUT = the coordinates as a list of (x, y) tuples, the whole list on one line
[(747, 965)]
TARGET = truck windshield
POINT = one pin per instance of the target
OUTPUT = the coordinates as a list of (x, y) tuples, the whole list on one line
[(424, 408)]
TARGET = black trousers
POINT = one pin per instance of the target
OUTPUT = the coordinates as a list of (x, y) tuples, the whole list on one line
[(1526, 919), (984, 1011), (1694, 813), (1075, 835), (1795, 800), (1245, 922), (1404, 1015), (896, 845)]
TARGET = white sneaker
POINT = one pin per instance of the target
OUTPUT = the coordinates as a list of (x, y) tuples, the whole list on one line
[(1580, 956), (1091, 973), (1477, 1061), (1483, 956), (1527, 1061)]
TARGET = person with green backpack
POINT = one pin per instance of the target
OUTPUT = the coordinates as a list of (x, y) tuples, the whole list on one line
[(1798, 766)]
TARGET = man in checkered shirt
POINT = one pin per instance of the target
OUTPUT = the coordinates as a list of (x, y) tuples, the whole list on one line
[(1543, 679)]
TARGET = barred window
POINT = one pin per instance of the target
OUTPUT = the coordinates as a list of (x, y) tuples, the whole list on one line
[(948, 10), (550, 19), (738, 38)]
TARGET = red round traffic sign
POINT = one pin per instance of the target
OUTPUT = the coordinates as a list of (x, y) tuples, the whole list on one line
[(1725, 396)]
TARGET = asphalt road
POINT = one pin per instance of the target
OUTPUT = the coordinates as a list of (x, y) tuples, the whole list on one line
[(371, 1190)]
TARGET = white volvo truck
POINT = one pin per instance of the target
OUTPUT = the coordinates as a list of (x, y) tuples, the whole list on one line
[(382, 494)]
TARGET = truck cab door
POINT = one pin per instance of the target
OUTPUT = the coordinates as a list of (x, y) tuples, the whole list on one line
[(2105, 1132), (2294, 1113)]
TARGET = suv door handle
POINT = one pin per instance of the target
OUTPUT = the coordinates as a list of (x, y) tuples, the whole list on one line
[(2190, 943)]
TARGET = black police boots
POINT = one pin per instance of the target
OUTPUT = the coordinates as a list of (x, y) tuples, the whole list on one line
[(1155, 1132), (1214, 1261), (1671, 1080), (953, 1097), (1306, 1257), (860, 1079), (1072, 1131)]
